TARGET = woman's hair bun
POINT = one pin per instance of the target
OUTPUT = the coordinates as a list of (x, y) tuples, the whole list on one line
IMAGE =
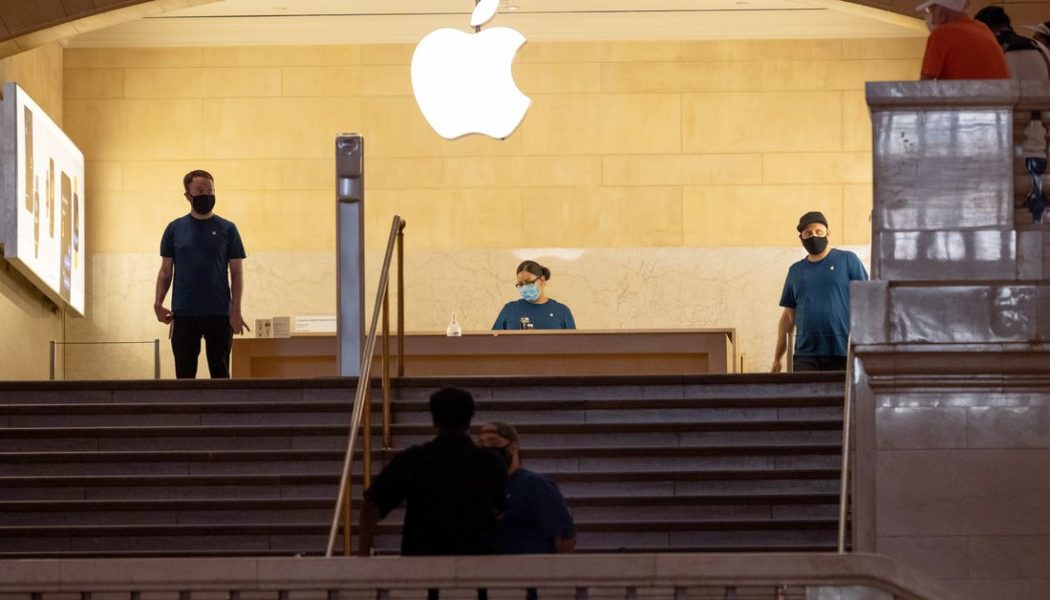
[(535, 268)]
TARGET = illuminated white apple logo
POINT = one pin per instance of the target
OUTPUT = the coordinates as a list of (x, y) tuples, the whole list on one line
[(463, 81)]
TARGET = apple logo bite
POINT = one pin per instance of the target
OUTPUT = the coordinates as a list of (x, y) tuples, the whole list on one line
[(463, 81)]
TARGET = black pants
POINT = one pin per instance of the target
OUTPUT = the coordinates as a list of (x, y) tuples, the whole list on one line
[(186, 334), (819, 363)]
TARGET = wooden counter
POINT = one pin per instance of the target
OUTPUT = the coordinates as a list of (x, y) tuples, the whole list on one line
[(538, 352)]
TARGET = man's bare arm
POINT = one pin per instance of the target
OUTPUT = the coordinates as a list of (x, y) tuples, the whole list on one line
[(785, 326), (164, 278), (237, 292)]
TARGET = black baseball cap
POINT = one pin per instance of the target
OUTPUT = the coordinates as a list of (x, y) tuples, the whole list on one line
[(993, 16), (811, 217)]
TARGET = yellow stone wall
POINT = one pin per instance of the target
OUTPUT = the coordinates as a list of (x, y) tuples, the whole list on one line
[(28, 320), (637, 153)]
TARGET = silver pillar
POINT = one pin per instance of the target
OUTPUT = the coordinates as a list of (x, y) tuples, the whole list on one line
[(350, 260)]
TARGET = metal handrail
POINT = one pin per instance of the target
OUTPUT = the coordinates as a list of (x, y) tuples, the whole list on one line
[(361, 396), (847, 417)]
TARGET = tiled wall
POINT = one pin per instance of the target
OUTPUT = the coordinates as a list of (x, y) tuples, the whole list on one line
[(629, 150)]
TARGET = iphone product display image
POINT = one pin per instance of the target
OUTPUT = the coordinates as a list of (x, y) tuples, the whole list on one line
[(65, 254)]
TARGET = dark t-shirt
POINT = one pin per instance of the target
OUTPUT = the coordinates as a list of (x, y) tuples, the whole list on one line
[(549, 315), (536, 514), (819, 293), (202, 250), (452, 491)]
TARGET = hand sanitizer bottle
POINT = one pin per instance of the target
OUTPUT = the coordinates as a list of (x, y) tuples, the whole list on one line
[(453, 329)]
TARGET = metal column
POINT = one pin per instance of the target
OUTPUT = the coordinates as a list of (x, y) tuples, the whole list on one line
[(350, 241)]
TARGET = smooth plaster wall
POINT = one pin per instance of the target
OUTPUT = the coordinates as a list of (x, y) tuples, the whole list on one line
[(660, 181), (28, 320)]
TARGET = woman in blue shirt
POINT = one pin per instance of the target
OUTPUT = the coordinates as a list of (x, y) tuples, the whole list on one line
[(534, 310)]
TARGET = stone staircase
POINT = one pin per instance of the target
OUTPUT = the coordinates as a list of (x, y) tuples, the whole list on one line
[(236, 468)]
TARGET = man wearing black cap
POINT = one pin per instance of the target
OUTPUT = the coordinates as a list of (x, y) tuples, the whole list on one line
[(1023, 56), (816, 301)]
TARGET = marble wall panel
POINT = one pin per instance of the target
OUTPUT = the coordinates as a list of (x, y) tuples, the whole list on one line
[(1042, 326), (943, 169), (1030, 254), (963, 314), (941, 556), (869, 303), (1008, 427), (946, 255), (94, 83), (1010, 557), (962, 492), (606, 288), (900, 428)]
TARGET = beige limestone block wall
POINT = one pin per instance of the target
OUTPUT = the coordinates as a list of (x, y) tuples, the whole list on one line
[(28, 320), (660, 181)]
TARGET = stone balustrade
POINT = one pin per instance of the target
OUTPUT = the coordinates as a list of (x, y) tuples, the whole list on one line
[(952, 338)]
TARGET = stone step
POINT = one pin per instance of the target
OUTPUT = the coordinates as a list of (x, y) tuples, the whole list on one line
[(650, 483), (296, 414), (90, 439), (188, 462), (248, 537), (251, 468), (419, 388), (319, 510)]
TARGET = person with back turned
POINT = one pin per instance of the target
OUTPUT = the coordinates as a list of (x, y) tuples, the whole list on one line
[(203, 254), (1023, 55), (452, 489), (959, 47), (816, 300)]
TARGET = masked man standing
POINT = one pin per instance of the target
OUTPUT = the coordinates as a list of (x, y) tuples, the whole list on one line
[(202, 253), (816, 301)]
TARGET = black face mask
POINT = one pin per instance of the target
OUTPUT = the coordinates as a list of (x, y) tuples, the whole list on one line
[(504, 453), (203, 203), (815, 245)]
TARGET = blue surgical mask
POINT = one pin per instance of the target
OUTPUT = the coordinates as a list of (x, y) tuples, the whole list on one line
[(530, 292)]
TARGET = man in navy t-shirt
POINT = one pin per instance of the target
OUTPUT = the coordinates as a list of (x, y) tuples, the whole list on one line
[(816, 301), (202, 253)]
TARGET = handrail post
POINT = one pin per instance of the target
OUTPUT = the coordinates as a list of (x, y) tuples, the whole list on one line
[(847, 417), (348, 525), (386, 369), (51, 369), (790, 366), (156, 358), (366, 425), (401, 300)]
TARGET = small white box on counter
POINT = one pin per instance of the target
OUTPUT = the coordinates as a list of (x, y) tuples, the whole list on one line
[(264, 328), (282, 327)]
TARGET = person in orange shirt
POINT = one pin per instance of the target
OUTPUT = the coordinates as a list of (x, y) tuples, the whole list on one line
[(959, 47)]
